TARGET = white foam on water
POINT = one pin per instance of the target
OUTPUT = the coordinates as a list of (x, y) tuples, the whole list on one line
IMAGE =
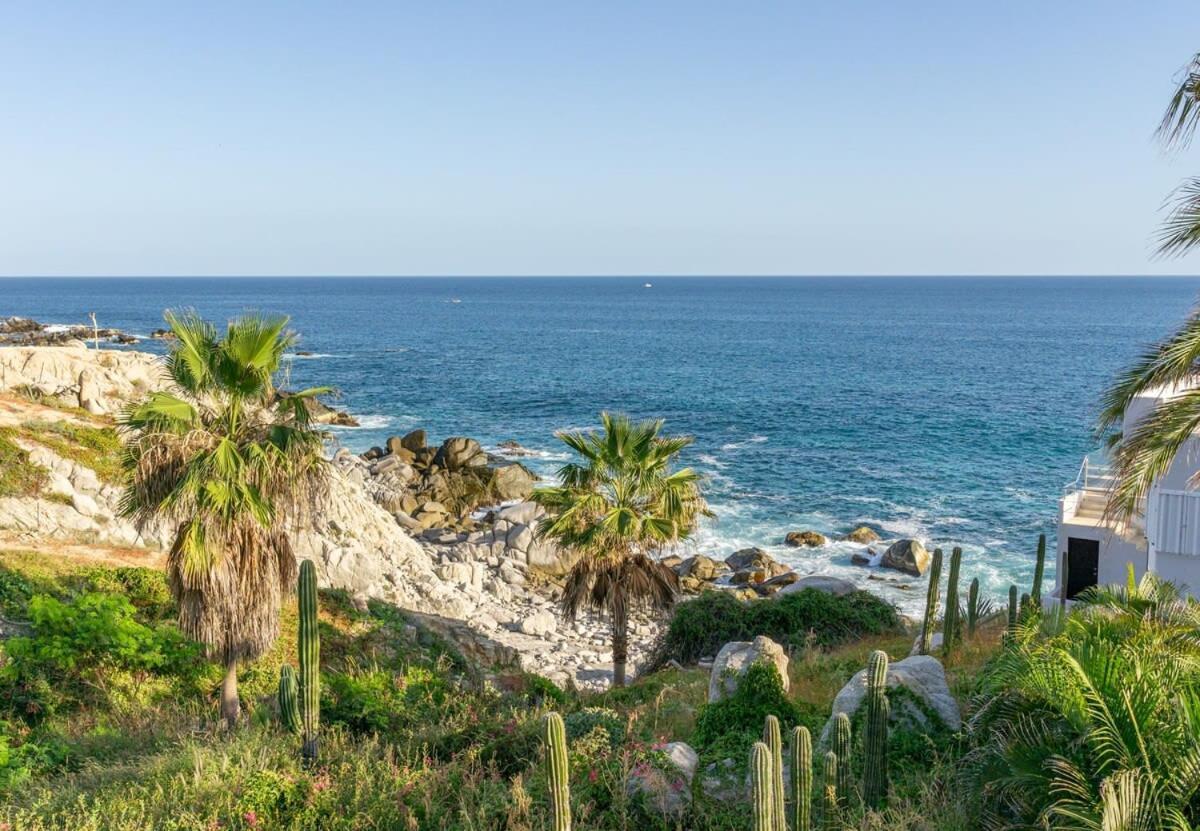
[(738, 445), (295, 356), (366, 422)]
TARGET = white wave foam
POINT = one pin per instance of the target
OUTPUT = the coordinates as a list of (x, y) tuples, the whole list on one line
[(738, 445), (367, 422), (312, 356)]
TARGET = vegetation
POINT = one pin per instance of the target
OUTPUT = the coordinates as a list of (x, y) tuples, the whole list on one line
[(19, 476), (619, 505), (97, 448), (233, 466), (701, 626)]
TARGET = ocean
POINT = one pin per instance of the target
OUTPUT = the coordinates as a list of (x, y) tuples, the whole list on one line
[(952, 410)]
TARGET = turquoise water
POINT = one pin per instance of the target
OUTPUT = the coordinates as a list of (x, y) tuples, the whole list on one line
[(953, 410)]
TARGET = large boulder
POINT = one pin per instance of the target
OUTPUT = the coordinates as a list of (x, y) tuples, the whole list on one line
[(755, 559), (809, 539), (89, 394), (921, 675), (702, 568), (822, 583), (666, 788), (736, 657), (414, 441), (863, 534), (459, 452), (512, 481), (908, 556)]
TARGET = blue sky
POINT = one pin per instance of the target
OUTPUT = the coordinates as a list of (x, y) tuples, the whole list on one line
[(588, 138)]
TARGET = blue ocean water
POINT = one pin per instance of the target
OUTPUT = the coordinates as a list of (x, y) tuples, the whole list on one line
[(949, 409)]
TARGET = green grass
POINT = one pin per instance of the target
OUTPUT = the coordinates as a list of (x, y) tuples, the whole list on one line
[(414, 737), (98, 448), (19, 476)]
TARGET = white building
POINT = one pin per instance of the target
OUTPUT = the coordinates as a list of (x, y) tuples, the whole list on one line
[(1164, 536)]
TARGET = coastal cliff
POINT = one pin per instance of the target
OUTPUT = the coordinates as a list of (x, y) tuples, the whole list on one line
[(491, 589)]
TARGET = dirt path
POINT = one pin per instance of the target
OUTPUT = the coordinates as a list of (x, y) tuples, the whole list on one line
[(84, 554)]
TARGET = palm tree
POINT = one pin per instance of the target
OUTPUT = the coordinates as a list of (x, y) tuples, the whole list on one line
[(618, 506), (1096, 726), (234, 466), (1145, 454)]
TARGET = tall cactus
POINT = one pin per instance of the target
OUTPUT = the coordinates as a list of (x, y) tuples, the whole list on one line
[(950, 624), (310, 661), (1038, 571), (829, 793), (875, 733), (1012, 611), (762, 788), (841, 746), (773, 739), (289, 699), (931, 601), (972, 607), (556, 763), (801, 779)]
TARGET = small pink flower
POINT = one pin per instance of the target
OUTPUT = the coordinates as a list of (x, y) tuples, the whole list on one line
[(592, 777), (251, 819)]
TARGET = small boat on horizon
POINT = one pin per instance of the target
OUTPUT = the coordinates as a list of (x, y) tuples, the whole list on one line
[(648, 286)]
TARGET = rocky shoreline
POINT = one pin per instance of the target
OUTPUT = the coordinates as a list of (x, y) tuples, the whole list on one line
[(444, 530)]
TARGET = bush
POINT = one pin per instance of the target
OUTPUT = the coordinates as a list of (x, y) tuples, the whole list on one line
[(700, 627), (589, 719), (78, 646), (739, 717)]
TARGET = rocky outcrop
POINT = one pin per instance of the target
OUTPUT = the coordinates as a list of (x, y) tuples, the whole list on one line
[(21, 331), (101, 381), (822, 583), (863, 534), (920, 675), (736, 657), (908, 556), (809, 539), (436, 488)]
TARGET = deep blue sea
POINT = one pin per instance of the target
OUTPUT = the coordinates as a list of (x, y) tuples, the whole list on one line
[(953, 410)]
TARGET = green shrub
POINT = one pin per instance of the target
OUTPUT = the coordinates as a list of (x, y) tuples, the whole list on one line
[(78, 647), (18, 475), (700, 627), (589, 719), (739, 717)]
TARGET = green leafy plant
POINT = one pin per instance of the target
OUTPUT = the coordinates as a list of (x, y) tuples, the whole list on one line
[(232, 465), (619, 505)]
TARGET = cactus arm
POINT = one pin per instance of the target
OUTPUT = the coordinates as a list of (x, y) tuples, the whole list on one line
[(773, 739), (762, 796), (289, 699), (829, 793), (972, 607), (801, 779), (559, 772), (841, 746), (310, 660), (931, 601), (875, 735), (950, 623), (1039, 570)]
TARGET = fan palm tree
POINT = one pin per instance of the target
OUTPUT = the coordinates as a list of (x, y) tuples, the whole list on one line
[(1147, 452), (618, 506), (232, 465), (1097, 726)]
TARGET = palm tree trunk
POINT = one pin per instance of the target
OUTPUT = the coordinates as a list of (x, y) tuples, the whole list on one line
[(230, 706), (620, 637)]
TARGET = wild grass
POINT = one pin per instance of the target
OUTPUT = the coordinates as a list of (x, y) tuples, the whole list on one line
[(98, 448), (19, 476)]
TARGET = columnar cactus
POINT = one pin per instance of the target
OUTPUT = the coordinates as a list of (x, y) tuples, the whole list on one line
[(1012, 611), (762, 787), (829, 793), (972, 607), (950, 624), (875, 733), (773, 739), (801, 779), (556, 763), (841, 746), (1038, 571), (289, 699), (310, 661), (931, 601)]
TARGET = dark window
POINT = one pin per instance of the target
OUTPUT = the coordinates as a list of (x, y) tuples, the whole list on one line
[(1083, 565)]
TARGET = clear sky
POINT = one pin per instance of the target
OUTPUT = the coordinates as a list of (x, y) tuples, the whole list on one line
[(588, 138)]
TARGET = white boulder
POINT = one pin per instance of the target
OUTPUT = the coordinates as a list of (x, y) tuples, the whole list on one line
[(736, 657)]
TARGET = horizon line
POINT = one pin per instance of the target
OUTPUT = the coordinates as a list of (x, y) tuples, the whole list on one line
[(625, 276)]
